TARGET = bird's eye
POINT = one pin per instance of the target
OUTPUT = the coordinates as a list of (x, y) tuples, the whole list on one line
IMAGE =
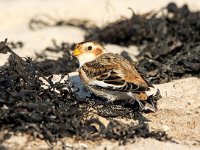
[(89, 47)]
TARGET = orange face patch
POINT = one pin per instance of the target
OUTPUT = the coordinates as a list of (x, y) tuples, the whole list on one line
[(98, 51)]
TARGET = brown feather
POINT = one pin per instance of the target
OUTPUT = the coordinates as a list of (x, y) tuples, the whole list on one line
[(114, 69)]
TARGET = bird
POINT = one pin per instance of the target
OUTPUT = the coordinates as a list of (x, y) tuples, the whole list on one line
[(109, 75)]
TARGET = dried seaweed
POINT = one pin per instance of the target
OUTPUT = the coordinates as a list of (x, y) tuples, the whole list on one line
[(64, 64), (26, 106), (169, 41), (41, 21), (170, 49)]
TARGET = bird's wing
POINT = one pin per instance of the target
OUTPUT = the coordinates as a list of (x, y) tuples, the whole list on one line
[(107, 72)]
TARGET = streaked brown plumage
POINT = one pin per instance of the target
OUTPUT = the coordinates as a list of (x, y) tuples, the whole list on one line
[(109, 75)]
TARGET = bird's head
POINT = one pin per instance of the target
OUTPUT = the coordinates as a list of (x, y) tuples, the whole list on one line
[(88, 51)]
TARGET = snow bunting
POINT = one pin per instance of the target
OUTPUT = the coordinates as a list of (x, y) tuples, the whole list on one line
[(109, 75)]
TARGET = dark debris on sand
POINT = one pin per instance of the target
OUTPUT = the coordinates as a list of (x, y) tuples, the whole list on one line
[(64, 64), (26, 106), (169, 41)]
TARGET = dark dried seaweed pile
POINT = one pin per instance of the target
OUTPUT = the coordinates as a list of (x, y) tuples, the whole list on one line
[(169, 41), (26, 106), (64, 64)]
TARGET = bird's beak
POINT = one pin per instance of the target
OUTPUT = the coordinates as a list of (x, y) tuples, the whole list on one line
[(76, 52)]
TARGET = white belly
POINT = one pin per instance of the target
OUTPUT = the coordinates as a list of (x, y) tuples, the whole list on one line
[(111, 95)]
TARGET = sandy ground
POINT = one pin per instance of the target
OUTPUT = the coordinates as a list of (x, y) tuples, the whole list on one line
[(17, 14), (179, 109), (178, 114)]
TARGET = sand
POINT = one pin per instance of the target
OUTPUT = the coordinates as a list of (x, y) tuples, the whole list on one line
[(178, 115), (178, 111)]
